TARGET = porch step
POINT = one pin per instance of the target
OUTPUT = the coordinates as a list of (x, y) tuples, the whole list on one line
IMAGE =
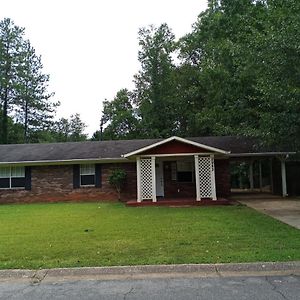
[(179, 203)]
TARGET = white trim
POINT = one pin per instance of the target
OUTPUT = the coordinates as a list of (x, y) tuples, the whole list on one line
[(283, 178), (11, 177), (213, 179), (81, 167), (153, 179), (175, 138), (138, 181), (271, 175), (260, 175), (176, 154), (251, 181), (197, 178)]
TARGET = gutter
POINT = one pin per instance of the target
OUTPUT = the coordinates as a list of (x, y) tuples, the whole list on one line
[(260, 154), (64, 162)]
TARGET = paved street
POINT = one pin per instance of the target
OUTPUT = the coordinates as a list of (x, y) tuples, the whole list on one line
[(185, 287)]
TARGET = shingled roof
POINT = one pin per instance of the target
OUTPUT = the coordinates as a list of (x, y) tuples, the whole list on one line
[(98, 150)]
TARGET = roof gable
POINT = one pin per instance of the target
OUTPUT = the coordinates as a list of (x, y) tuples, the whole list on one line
[(175, 145)]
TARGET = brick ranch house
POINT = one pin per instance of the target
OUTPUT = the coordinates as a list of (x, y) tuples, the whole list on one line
[(194, 168)]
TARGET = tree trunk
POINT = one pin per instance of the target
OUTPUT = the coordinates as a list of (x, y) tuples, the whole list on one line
[(4, 121), (26, 123), (4, 124)]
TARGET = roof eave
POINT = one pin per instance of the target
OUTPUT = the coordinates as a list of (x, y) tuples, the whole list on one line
[(261, 154), (63, 162)]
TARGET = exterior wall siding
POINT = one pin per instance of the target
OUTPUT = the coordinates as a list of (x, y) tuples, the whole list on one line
[(55, 183), (175, 147), (222, 175)]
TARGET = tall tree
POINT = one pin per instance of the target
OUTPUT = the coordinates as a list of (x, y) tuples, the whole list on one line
[(277, 57), (68, 130), (154, 83), (219, 47), (23, 85), (11, 47), (33, 106), (119, 116), (15, 131)]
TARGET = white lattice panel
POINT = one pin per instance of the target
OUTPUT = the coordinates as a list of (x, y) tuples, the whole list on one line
[(205, 176), (146, 178)]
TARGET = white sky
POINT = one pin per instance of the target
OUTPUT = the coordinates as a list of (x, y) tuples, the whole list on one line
[(90, 47)]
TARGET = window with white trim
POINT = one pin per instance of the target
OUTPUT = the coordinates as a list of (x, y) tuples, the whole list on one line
[(12, 177), (87, 174)]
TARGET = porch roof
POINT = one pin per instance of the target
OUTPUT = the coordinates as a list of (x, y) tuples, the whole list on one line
[(199, 147), (108, 151)]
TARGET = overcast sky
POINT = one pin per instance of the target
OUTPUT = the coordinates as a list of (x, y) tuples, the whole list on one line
[(89, 47)]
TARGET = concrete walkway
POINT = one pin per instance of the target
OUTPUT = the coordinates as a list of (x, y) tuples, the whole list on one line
[(284, 209)]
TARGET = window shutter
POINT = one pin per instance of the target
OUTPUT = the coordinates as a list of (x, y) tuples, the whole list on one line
[(76, 176), (98, 182), (28, 178)]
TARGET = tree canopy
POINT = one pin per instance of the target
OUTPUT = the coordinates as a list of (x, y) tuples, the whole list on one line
[(27, 109), (235, 73)]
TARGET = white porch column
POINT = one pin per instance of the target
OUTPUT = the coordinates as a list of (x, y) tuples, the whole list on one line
[(213, 179), (260, 175), (197, 177), (283, 178), (251, 175), (271, 176), (153, 179), (138, 179)]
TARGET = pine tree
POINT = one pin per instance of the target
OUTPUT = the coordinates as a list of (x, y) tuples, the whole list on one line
[(11, 47), (34, 108)]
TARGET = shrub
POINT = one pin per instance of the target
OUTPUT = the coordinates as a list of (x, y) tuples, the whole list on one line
[(117, 179)]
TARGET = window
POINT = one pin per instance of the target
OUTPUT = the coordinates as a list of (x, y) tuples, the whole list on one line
[(12, 177), (87, 174), (185, 171)]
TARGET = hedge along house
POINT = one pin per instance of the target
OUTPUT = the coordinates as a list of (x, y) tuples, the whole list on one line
[(173, 168)]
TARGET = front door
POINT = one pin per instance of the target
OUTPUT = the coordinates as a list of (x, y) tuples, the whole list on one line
[(159, 175)]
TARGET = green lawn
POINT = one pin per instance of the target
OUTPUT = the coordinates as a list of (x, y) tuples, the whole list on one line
[(103, 234)]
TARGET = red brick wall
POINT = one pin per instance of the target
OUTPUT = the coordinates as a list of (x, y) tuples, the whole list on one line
[(55, 183), (175, 189), (222, 175)]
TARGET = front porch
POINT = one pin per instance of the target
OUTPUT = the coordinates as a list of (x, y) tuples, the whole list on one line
[(178, 170), (186, 177), (180, 202), (185, 172)]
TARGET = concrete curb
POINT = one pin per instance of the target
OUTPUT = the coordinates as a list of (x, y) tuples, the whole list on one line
[(147, 271)]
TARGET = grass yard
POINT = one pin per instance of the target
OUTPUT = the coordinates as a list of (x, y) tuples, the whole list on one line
[(104, 234)]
